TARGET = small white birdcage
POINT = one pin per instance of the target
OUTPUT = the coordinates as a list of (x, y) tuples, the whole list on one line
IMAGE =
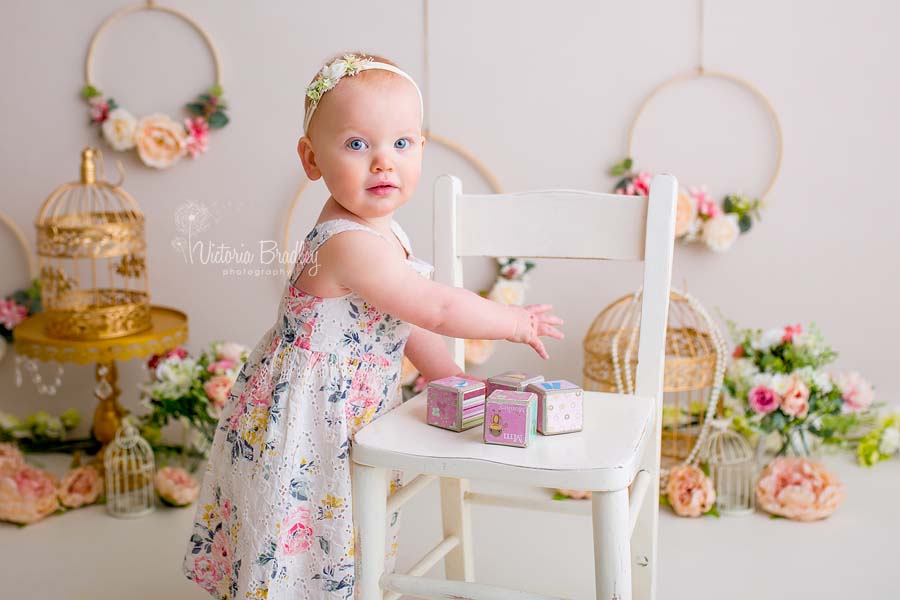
[(129, 472), (732, 469)]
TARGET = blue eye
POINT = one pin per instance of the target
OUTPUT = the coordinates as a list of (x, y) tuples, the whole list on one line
[(402, 144), (356, 144)]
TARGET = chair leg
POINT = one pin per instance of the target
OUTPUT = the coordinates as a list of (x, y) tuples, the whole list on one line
[(459, 564), (369, 493), (612, 545), (644, 545)]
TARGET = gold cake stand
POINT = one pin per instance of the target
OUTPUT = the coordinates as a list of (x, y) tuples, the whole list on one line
[(169, 329)]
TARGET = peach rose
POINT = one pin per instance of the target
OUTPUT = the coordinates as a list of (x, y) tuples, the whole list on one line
[(175, 486), (795, 402), (798, 489), (10, 458), (217, 390), (477, 352), (690, 492), (408, 372), (576, 494), (160, 141), (80, 487), (27, 495), (686, 214)]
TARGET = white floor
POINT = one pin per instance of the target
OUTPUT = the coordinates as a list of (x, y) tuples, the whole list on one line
[(85, 554)]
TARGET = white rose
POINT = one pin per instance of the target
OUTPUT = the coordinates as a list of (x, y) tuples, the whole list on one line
[(890, 441), (719, 233), (763, 379), (335, 70), (765, 340), (741, 368), (508, 291), (781, 383), (118, 129)]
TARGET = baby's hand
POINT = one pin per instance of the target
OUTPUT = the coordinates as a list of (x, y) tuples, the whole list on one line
[(532, 322)]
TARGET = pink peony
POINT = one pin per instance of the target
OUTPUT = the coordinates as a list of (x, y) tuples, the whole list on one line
[(10, 458), (80, 487), (856, 392), (217, 390), (641, 183), (198, 133), (763, 399), (790, 332), (296, 532), (27, 495), (154, 360), (11, 313), (690, 492), (99, 109), (208, 572), (221, 366), (796, 399), (798, 489), (175, 486)]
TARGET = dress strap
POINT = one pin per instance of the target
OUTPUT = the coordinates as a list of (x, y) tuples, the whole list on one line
[(319, 234), (401, 235)]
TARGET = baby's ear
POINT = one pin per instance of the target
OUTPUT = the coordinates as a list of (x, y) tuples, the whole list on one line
[(308, 158)]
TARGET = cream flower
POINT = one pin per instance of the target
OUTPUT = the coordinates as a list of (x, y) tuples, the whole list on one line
[(160, 141), (720, 232), (118, 129), (508, 291), (477, 352), (335, 70)]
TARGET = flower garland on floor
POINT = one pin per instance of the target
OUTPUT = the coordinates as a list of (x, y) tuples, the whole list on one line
[(699, 218), (160, 140)]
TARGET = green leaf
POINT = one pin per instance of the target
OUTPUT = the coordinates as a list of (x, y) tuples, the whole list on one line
[(89, 91), (728, 204), (628, 163), (664, 500), (713, 512), (215, 90), (618, 170), (745, 222), (196, 108), (705, 468), (560, 496), (218, 120), (112, 104), (206, 98)]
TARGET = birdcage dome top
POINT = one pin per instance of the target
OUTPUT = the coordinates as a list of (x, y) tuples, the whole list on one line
[(725, 447)]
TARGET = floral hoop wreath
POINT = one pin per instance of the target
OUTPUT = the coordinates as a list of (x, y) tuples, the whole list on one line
[(699, 216), (160, 140), (509, 287), (24, 302)]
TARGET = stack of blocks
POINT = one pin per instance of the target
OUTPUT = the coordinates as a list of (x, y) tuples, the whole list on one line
[(513, 406)]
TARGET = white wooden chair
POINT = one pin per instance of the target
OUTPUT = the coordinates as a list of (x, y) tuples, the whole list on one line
[(619, 446)]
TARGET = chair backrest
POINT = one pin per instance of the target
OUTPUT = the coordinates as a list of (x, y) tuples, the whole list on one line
[(567, 224)]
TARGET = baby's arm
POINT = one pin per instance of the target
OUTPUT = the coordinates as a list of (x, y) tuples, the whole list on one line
[(428, 353), (366, 264)]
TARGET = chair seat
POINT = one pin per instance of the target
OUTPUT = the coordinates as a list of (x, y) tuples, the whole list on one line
[(604, 456)]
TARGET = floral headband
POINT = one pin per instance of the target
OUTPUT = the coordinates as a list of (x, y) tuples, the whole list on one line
[(350, 64)]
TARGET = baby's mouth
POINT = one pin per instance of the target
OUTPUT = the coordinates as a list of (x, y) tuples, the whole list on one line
[(382, 189)]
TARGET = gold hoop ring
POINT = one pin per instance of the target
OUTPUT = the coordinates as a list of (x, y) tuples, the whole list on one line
[(719, 75), (20, 236), (150, 5)]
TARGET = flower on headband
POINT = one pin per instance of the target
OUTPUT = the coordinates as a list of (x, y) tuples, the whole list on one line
[(329, 76)]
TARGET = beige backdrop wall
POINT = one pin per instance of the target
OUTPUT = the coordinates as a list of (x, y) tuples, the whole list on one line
[(543, 93)]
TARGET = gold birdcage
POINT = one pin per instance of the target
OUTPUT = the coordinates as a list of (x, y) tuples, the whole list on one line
[(92, 259), (694, 367)]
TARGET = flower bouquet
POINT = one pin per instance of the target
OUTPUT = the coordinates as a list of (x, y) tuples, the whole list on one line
[(776, 386), (191, 390)]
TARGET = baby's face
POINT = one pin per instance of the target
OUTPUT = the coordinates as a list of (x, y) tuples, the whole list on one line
[(367, 144)]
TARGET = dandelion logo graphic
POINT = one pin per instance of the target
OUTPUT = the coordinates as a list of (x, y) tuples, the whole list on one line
[(191, 219)]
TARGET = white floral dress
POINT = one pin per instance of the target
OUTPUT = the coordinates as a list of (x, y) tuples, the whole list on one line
[(274, 515)]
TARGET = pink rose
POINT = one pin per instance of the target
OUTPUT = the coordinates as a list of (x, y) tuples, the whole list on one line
[(796, 399), (99, 109), (798, 489), (154, 360), (690, 492), (80, 487), (11, 313), (10, 458), (217, 390), (296, 532), (763, 399), (226, 509), (175, 486), (856, 392), (27, 495), (365, 389), (576, 494), (221, 547), (790, 332), (198, 132), (221, 366), (706, 206), (208, 572), (738, 351)]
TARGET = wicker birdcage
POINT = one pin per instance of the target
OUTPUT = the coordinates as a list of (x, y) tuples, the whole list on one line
[(92, 259), (694, 366), (732, 469), (129, 470)]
